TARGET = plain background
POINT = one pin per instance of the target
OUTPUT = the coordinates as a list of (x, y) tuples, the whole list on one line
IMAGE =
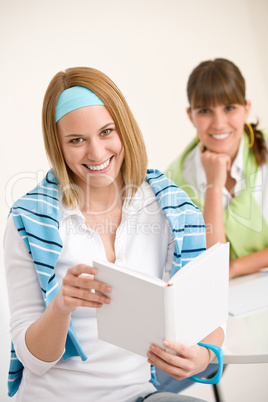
[(148, 48)]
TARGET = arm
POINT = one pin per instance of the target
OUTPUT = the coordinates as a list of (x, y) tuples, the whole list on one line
[(249, 264), (216, 167), (186, 361), (213, 216), (34, 329), (54, 322)]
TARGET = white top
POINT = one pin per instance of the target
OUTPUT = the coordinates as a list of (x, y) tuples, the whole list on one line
[(144, 242), (194, 174)]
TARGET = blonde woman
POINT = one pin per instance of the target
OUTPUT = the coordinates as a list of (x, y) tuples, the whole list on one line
[(92, 204)]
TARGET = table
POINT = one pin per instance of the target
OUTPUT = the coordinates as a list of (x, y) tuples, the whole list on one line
[(247, 335), (246, 342)]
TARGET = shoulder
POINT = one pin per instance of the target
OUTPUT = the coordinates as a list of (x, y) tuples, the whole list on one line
[(46, 191), (14, 236), (168, 194), (38, 206)]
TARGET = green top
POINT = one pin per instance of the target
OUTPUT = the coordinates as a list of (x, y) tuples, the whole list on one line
[(245, 226)]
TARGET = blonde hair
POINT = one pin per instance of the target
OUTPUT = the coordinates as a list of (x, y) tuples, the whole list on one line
[(135, 161), (220, 81)]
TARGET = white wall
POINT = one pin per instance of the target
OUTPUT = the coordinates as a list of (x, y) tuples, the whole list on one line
[(148, 47)]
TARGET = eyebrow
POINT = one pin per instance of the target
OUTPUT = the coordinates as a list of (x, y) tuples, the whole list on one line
[(107, 125), (81, 135)]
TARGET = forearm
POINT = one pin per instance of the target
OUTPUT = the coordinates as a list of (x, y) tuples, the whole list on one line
[(46, 337), (249, 264), (34, 329), (215, 338), (214, 216)]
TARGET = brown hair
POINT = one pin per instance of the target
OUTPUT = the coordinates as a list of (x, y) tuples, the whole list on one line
[(135, 161), (220, 81)]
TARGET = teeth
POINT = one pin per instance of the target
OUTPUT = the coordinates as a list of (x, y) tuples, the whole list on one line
[(99, 167), (220, 136)]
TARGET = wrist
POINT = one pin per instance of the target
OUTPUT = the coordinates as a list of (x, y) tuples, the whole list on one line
[(207, 355), (233, 268), (214, 188), (58, 308), (204, 357)]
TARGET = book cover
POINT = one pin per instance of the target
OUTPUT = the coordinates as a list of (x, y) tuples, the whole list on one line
[(146, 309)]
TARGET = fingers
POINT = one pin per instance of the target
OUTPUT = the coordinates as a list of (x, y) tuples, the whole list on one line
[(82, 269), (75, 276), (79, 288), (213, 158), (83, 297), (216, 167), (178, 348), (179, 364)]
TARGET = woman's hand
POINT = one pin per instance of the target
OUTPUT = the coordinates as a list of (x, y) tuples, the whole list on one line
[(186, 361), (53, 324), (79, 288), (216, 167)]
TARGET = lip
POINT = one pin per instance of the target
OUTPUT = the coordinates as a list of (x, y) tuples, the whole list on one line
[(98, 172)]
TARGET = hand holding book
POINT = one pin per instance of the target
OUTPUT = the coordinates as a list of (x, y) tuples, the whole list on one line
[(145, 311), (180, 361)]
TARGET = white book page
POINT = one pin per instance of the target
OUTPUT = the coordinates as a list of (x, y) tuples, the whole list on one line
[(131, 272), (250, 295), (194, 262), (201, 295)]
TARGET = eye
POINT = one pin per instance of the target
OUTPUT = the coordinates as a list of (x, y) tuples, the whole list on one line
[(106, 132), (229, 108), (204, 111), (76, 140)]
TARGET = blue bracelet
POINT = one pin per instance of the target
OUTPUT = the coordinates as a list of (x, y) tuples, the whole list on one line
[(218, 352)]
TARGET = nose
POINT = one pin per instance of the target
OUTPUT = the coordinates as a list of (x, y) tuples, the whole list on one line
[(95, 151), (218, 120)]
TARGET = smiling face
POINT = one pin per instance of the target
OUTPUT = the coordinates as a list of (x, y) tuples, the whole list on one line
[(91, 147), (220, 127)]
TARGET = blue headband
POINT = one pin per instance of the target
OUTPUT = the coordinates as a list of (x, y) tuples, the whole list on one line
[(75, 98)]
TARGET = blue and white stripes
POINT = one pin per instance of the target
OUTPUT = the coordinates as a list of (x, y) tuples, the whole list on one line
[(37, 218), (184, 217)]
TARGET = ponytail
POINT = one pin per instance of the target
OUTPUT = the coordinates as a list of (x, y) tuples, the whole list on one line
[(257, 143)]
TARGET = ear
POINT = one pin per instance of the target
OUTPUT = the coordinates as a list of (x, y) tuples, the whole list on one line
[(189, 113), (248, 107)]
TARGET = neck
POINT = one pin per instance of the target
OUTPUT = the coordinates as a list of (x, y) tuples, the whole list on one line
[(103, 199)]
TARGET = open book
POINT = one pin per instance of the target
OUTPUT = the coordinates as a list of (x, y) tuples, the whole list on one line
[(146, 309)]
